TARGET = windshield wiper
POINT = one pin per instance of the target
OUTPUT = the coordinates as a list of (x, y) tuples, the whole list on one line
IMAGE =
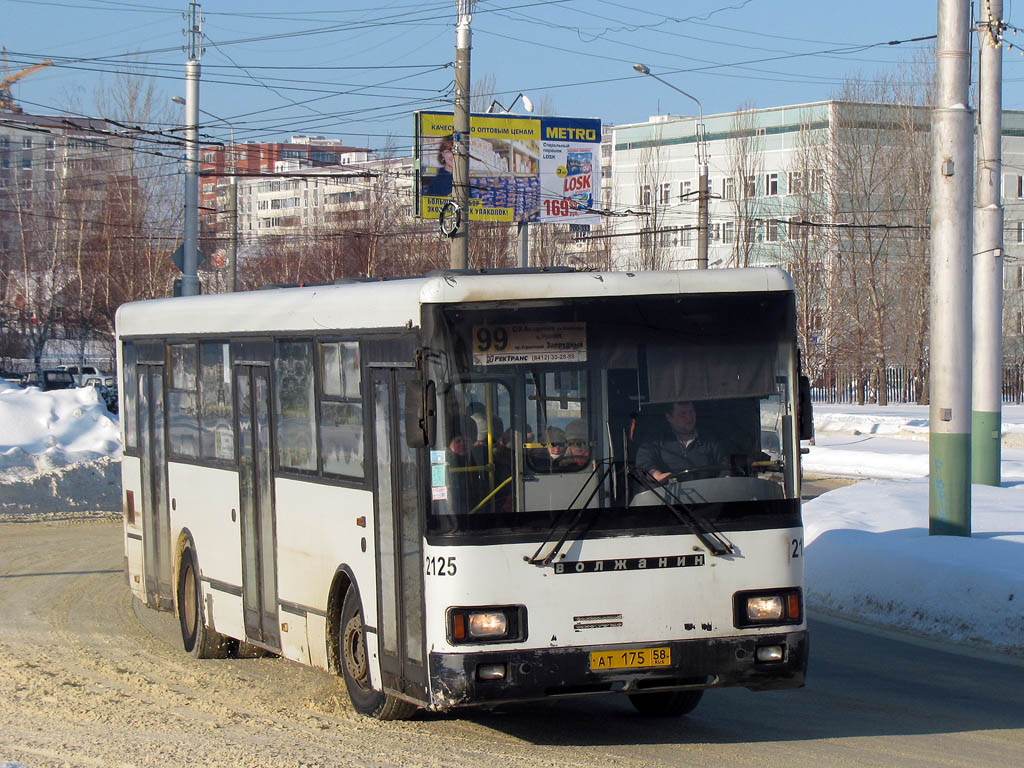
[(535, 558), (708, 535)]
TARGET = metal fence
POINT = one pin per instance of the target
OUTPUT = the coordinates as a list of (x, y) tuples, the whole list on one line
[(902, 385)]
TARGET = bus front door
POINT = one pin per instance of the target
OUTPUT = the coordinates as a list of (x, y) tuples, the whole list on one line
[(156, 522), (256, 505), (399, 539)]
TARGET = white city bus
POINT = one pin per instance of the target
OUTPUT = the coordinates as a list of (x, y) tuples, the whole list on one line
[(429, 485)]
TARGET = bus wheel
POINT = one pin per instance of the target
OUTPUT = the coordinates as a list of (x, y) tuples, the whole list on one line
[(665, 703), (198, 639), (355, 667)]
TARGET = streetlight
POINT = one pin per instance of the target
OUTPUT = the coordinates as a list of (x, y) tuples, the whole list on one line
[(527, 104), (522, 227), (232, 193), (702, 171)]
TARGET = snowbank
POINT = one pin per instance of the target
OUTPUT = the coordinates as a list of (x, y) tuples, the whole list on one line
[(60, 454), (869, 557)]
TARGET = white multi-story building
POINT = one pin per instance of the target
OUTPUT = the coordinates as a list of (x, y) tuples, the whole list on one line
[(762, 168)]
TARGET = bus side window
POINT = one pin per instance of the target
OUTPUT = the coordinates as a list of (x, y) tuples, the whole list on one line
[(183, 402), (293, 405), (130, 387), (341, 409), (217, 431)]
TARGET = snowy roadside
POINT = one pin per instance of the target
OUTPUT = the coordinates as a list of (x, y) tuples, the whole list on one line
[(60, 455)]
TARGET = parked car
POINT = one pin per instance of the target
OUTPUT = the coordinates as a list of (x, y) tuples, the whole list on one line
[(107, 389), (84, 373), (50, 379)]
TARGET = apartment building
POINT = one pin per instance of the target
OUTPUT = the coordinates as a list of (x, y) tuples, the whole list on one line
[(218, 163), (302, 198), (53, 170)]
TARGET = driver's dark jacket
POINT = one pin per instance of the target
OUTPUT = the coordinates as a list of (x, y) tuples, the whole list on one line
[(671, 455)]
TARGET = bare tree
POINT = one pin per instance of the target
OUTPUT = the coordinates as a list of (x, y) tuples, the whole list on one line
[(746, 167), (805, 252), (653, 203), (877, 185), (141, 214)]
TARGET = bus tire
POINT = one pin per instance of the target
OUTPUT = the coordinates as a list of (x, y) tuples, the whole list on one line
[(666, 703), (355, 667), (198, 639)]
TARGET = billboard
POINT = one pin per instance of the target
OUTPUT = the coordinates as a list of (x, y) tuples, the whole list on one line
[(521, 168)]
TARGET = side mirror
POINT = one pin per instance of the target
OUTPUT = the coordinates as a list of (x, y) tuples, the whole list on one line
[(420, 414), (805, 413)]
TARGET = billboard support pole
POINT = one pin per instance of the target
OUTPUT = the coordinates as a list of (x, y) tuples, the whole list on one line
[(460, 135), (523, 245)]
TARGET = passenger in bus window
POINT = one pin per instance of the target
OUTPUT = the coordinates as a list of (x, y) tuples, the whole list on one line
[(463, 481), (577, 446), (458, 446), (682, 451), (543, 457), (554, 445)]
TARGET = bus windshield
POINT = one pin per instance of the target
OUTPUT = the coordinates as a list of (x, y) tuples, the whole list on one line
[(623, 414)]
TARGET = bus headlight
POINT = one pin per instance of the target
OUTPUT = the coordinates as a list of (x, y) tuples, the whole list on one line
[(758, 608), (764, 608), (487, 624)]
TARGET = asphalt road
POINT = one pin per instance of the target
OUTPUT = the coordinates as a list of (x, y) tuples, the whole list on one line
[(87, 678)]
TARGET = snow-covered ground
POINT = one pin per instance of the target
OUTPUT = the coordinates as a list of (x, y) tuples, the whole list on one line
[(869, 556), (59, 454)]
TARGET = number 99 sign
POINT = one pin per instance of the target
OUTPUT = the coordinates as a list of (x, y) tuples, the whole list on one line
[(491, 338)]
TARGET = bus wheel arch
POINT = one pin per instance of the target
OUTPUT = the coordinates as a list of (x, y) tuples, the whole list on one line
[(197, 638), (340, 585), (354, 665)]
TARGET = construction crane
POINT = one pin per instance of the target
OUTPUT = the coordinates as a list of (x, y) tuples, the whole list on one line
[(7, 80)]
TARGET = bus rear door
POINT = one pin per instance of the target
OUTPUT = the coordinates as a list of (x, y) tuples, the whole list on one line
[(156, 525), (256, 501)]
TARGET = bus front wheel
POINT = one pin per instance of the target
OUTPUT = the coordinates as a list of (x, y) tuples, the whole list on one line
[(198, 639), (666, 703), (355, 667)]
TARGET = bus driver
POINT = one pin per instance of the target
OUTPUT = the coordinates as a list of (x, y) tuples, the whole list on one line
[(684, 450)]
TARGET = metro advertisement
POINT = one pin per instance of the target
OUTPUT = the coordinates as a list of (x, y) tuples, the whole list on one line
[(521, 168)]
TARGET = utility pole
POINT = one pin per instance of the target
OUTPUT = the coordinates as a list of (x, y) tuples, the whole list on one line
[(190, 259), (233, 200), (460, 135), (702, 196), (949, 444), (987, 399)]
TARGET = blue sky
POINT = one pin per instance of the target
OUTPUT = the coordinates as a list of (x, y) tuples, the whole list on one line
[(356, 69)]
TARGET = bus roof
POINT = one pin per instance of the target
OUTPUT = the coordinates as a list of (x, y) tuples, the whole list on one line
[(396, 303)]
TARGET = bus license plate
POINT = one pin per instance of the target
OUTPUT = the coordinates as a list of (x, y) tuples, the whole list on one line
[(630, 659)]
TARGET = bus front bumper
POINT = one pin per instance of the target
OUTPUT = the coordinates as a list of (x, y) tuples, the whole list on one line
[(466, 679)]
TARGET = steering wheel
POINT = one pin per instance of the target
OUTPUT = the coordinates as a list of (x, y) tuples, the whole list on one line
[(695, 473)]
